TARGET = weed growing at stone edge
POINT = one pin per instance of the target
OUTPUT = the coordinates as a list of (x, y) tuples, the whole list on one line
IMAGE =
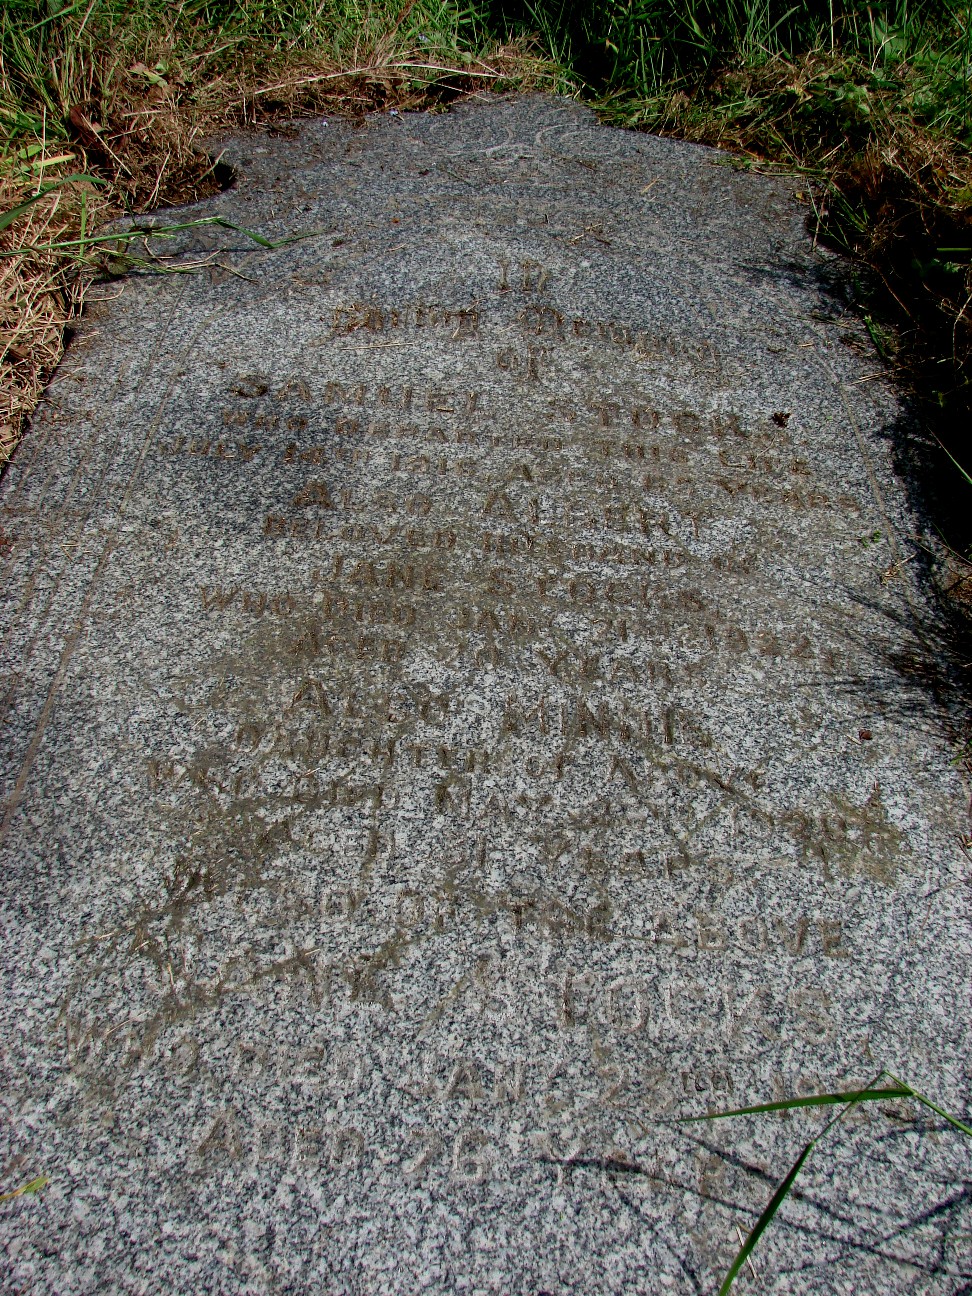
[(846, 1101), (110, 99), (870, 107)]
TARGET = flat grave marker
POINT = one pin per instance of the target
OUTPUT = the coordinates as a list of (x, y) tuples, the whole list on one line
[(458, 720)]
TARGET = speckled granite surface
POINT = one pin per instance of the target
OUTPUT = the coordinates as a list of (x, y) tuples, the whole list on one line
[(455, 723)]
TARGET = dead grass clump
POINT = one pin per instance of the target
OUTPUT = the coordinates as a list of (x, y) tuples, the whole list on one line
[(129, 107), (144, 133), (39, 292)]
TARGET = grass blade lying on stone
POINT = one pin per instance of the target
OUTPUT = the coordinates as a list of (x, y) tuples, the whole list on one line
[(33, 1186), (870, 1093), (813, 1100), (774, 1204), (779, 1196), (155, 231), (927, 1102), (7, 218)]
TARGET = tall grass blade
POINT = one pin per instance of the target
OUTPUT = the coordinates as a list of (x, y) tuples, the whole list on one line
[(814, 1100), (770, 31), (969, 480), (774, 1204), (53, 17)]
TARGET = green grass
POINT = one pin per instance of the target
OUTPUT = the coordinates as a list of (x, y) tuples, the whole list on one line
[(645, 48), (846, 1101), (870, 105)]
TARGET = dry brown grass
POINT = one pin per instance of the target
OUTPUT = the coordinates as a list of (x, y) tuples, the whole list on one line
[(39, 294), (141, 134)]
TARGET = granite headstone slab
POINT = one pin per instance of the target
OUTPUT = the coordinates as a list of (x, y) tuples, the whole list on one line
[(455, 725)]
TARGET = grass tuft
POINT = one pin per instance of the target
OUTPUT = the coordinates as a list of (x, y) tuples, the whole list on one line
[(869, 106)]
